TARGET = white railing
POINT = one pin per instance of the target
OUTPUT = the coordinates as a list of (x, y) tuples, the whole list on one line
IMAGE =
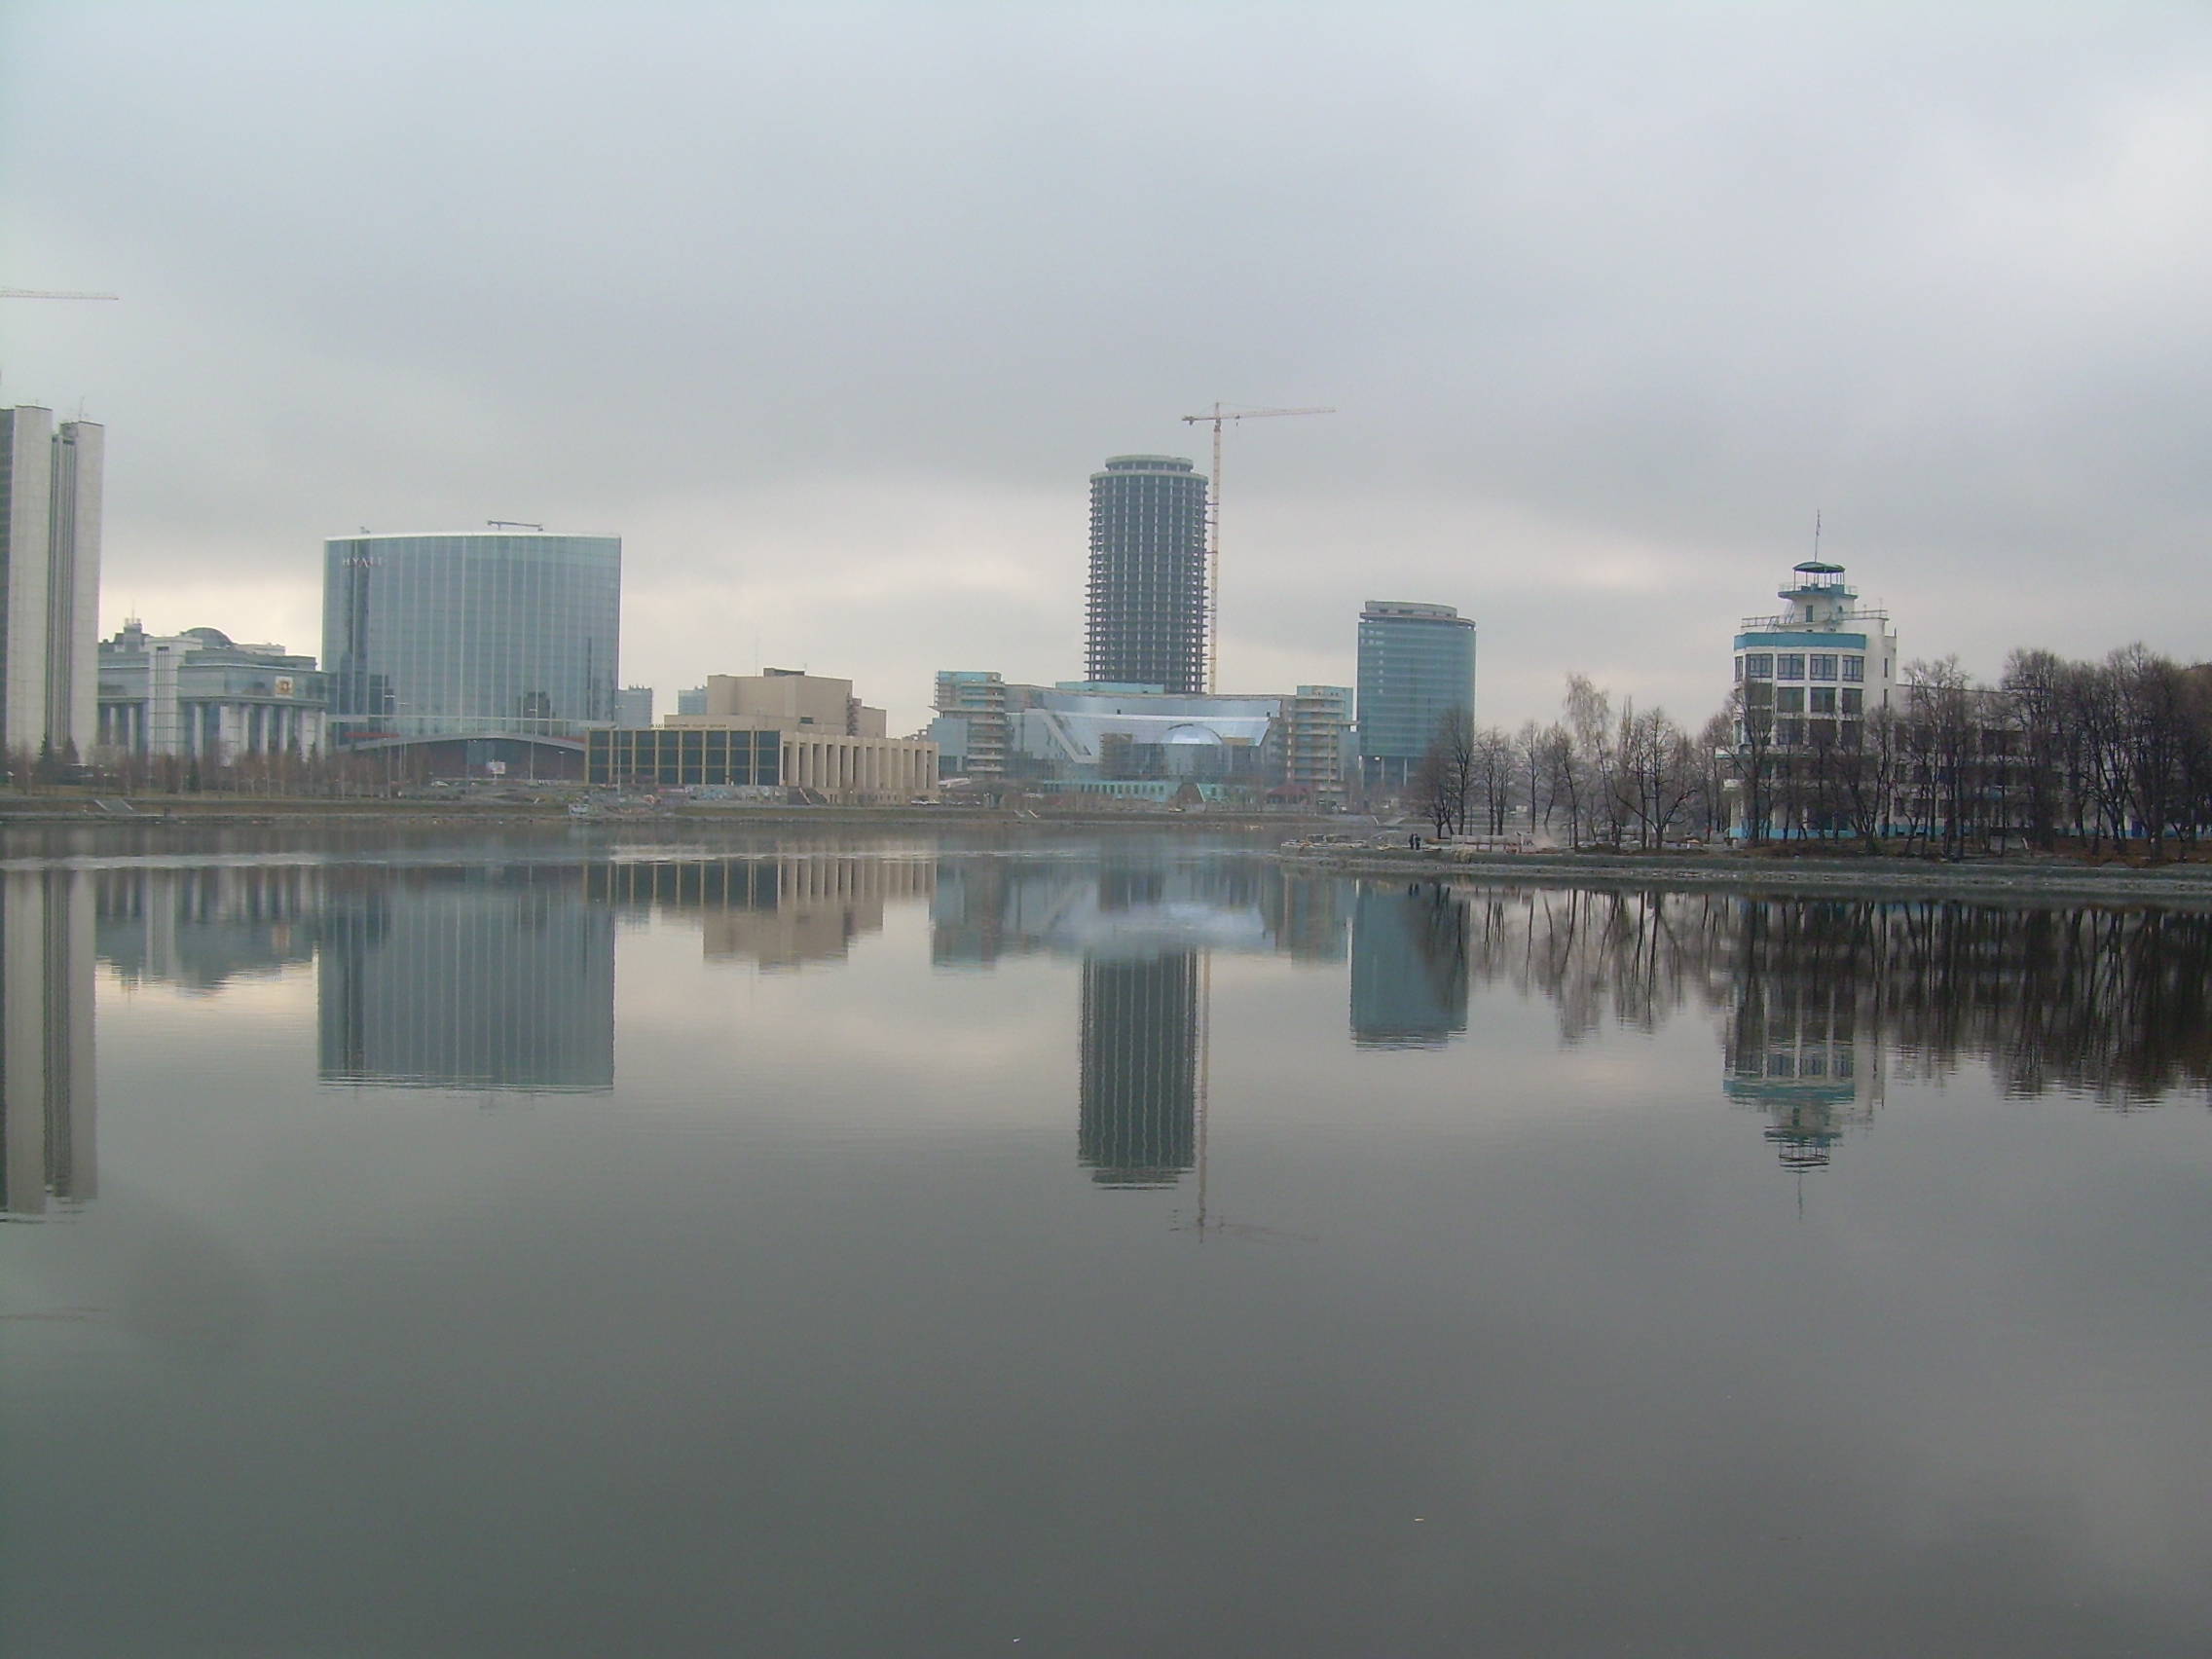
[(1785, 624)]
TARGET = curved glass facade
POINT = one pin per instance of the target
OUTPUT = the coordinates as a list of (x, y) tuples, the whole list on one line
[(491, 633), (1416, 664)]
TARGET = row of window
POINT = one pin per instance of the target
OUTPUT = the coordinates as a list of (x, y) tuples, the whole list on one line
[(1799, 665), (1819, 700)]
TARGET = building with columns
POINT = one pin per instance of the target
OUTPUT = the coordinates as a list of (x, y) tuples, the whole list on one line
[(200, 695), (802, 734)]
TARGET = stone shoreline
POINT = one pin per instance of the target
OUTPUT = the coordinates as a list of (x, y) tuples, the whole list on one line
[(2019, 877)]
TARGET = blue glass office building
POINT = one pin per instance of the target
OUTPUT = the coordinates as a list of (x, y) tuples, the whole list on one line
[(488, 645), (1416, 664)]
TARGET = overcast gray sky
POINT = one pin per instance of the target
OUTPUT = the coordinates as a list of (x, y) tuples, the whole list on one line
[(831, 310)]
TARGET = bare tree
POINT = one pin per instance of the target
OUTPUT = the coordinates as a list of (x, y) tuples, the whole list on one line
[(1447, 780)]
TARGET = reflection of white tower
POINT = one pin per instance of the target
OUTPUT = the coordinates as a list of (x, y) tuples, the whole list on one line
[(1797, 1051), (46, 1040)]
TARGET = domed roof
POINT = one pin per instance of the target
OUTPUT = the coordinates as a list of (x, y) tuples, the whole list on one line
[(209, 636)]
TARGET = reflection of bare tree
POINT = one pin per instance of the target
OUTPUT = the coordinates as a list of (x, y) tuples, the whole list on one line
[(1634, 958), (1410, 949), (2114, 1003), (2117, 1004)]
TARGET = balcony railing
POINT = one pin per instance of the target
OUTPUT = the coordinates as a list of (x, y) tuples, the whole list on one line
[(1785, 624)]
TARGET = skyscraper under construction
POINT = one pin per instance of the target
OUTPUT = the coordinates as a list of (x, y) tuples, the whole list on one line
[(1148, 575)]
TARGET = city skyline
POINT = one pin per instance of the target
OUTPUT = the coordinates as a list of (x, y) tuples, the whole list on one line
[(1951, 331)]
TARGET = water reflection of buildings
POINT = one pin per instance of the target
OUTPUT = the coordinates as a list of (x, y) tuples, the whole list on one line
[(779, 911), (1823, 1002), (47, 1154), (202, 926), (1138, 1121), (1144, 919), (1798, 1051), (1409, 965), (494, 977)]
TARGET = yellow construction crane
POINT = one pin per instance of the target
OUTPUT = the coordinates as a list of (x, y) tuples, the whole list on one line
[(1217, 419)]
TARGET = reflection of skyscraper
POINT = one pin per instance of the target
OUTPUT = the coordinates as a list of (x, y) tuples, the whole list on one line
[(1138, 1125), (491, 977), (1305, 914), (46, 1040), (1409, 965)]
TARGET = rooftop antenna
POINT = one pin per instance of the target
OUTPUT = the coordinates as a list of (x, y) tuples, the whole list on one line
[(1216, 420), (514, 524), (1816, 533)]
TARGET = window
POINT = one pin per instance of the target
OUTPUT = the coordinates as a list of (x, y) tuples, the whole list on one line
[(1739, 673), (1760, 665), (1854, 700), (1854, 668), (1790, 700), (1824, 697), (1822, 668), (1790, 666), (1790, 734)]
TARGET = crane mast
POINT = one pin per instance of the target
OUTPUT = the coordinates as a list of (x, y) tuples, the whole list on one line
[(1217, 419)]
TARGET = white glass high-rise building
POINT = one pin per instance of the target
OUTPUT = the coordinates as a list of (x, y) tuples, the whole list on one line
[(49, 580)]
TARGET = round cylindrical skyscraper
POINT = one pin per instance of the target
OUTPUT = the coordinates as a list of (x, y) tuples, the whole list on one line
[(1148, 573)]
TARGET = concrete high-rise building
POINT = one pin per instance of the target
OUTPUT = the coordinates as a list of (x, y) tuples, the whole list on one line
[(973, 725), (1416, 665), (634, 707), (481, 646), (1317, 742), (50, 580), (1148, 599)]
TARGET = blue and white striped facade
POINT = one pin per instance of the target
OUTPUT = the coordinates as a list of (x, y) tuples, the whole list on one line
[(1809, 679), (1824, 663)]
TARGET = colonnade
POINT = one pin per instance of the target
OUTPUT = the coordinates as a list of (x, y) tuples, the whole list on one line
[(860, 768)]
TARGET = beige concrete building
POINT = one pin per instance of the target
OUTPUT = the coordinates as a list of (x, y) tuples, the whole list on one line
[(833, 746), (794, 701), (861, 770), (822, 906)]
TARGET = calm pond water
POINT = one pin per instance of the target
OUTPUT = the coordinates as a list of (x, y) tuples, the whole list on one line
[(1085, 1246)]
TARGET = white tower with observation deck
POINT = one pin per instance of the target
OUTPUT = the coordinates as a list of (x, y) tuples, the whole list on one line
[(1809, 679), (1823, 660)]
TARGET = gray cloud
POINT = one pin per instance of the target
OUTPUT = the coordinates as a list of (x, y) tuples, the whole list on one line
[(831, 310)]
